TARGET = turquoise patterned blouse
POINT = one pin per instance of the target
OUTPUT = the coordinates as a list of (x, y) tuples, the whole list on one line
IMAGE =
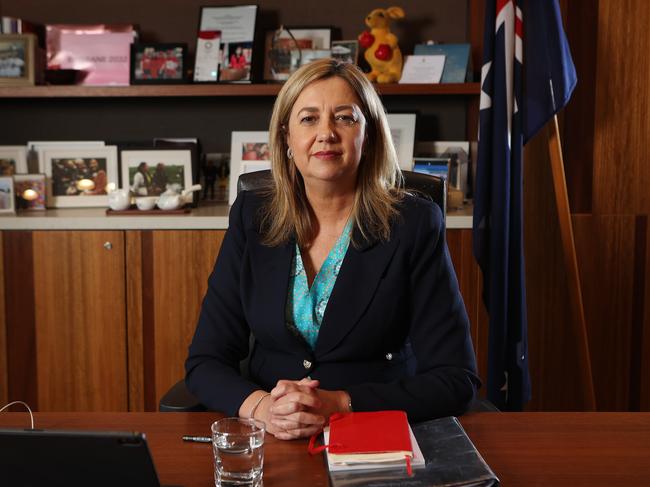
[(305, 306)]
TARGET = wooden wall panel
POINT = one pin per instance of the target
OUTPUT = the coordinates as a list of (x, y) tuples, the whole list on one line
[(80, 321), (622, 102), (4, 376), (20, 317), (182, 262), (644, 372), (552, 341), (605, 246), (134, 320), (467, 271)]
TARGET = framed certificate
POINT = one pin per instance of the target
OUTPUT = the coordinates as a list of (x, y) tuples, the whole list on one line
[(237, 27)]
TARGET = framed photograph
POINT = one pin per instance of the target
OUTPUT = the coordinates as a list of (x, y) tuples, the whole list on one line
[(158, 63), (36, 148), (30, 191), (435, 166), (13, 160), (285, 49), (7, 203), (78, 177), (346, 51), (18, 58), (237, 27), (151, 172), (206, 63), (249, 152), (402, 128)]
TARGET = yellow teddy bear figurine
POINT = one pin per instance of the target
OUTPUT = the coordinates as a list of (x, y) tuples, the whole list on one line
[(382, 52)]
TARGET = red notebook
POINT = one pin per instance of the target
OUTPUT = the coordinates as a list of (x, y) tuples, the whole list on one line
[(377, 438), (374, 432)]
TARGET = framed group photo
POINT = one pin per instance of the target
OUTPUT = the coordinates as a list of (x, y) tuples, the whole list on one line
[(402, 128), (249, 152), (13, 160), (236, 25), (77, 177), (158, 63), (151, 172)]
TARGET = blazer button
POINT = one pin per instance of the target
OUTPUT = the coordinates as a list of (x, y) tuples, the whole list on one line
[(306, 364), (389, 356)]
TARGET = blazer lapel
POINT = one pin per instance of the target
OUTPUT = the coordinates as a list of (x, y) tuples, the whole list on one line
[(355, 287), (270, 268)]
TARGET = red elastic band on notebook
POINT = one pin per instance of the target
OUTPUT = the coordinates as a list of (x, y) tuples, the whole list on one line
[(312, 448), (409, 470)]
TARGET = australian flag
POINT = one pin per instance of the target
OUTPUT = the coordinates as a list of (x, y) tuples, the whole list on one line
[(526, 78)]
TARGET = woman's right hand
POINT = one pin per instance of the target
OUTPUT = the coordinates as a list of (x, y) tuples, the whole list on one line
[(285, 411)]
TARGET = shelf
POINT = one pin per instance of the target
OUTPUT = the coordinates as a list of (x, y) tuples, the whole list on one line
[(214, 90)]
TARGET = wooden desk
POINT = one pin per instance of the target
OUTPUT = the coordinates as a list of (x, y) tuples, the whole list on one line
[(559, 449)]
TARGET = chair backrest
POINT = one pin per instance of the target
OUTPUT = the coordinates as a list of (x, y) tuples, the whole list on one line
[(429, 186)]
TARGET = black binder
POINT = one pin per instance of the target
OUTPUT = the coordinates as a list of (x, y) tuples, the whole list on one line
[(451, 458)]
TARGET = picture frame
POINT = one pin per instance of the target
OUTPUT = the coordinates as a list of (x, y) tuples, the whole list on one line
[(7, 195), (237, 27), (282, 46), (402, 128), (18, 60), (35, 200), (150, 172), (346, 51), (158, 63), (249, 152), (68, 172), (34, 164), (13, 160), (434, 166), (214, 179)]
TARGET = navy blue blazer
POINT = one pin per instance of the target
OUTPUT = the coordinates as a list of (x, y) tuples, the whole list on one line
[(395, 334)]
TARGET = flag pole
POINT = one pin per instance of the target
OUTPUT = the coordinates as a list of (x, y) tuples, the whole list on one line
[(571, 262)]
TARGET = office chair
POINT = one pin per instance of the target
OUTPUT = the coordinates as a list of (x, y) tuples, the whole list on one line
[(179, 399)]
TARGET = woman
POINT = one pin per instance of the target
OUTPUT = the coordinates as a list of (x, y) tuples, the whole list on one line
[(141, 180), (343, 279)]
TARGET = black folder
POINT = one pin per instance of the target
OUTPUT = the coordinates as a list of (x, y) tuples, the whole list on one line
[(451, 460), (32, 457)]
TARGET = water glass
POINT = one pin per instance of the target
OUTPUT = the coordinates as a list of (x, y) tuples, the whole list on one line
[(238, 446)]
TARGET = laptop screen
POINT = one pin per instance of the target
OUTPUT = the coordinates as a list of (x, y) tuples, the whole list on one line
[(75, 458)]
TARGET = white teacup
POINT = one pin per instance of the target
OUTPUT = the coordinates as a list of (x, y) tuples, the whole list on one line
[(119, 199), (146, 202)]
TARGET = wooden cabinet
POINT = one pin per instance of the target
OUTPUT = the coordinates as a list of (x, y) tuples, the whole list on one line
[(167, 279), (65, 320)]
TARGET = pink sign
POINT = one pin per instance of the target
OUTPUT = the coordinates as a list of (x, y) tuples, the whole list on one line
[(103, 52)]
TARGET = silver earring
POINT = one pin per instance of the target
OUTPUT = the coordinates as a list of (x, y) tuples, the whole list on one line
[(289, 153)]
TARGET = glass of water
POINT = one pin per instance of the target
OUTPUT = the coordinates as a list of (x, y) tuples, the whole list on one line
[(238, 446)]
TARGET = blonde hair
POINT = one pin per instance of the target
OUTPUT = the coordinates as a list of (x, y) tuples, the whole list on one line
[(379, 179)]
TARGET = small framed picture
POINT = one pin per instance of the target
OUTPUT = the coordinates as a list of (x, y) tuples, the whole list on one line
[(236, 25), (30, 191), (13, 159), (158, 63), (18, 53), (249, 152), (78, 177), (151, 172), (402, 128), (346, 51), (7, 203), (435, 166), (286, 47)]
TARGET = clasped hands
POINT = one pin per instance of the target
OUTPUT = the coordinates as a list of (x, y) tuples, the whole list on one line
[(299, 409)]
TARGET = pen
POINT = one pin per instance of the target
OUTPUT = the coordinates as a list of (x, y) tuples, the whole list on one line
[(198, 439)]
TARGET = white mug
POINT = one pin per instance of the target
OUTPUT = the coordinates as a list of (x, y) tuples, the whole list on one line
[(119, 199)]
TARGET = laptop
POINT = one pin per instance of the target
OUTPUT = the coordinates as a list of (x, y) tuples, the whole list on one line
[(75, 458)]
